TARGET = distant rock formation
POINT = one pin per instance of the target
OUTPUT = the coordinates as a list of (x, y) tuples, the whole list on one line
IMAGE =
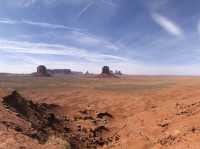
[(87, 73), (42, 71), (59, 71), (77, 73), (106, 70), (118, 72), (107, 73)]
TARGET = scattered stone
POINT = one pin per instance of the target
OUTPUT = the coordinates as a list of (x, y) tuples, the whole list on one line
[(100, 129), (187, 109), (104, 114), (164, 123), (167, 140)]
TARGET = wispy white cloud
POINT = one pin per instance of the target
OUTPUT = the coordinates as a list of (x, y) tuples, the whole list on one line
[(55, 49), (21, 3), (7, 21), (28, 3), (86, 8), (167, 24), (38, 24), (198, 26), (91, 40), (155, 5), (109, 2)]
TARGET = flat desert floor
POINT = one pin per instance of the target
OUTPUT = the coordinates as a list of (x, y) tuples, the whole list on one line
[(148, 112)]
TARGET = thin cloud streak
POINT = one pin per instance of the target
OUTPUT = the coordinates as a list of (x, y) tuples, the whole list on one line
[(38, 24), (85, 8), (167, 25)]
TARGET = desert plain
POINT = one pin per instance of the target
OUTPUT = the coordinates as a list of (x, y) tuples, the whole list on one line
[(130, 112)]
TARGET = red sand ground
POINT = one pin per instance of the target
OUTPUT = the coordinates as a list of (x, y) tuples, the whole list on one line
[(148, 112)]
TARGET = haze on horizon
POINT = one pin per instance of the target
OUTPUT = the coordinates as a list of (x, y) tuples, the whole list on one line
[(134, 36)]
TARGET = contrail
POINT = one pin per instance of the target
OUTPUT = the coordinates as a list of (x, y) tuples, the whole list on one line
[(85, 8)]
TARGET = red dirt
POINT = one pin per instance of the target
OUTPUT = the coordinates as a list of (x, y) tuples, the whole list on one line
[(128, 113)]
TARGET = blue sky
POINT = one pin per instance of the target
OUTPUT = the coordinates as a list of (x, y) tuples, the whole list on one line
[(135, 36)]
